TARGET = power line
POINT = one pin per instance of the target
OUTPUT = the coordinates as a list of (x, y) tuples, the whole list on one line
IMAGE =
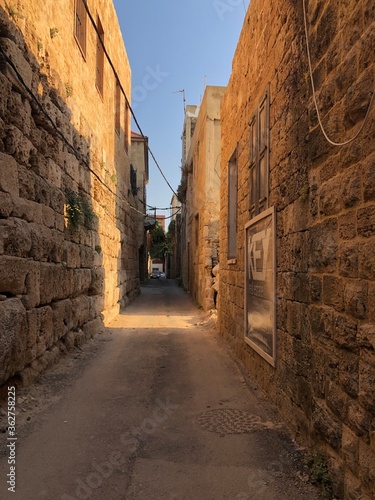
[(149, 150), (182, 91), (151, 207), (58, 131), (61, 135), (126, 98), (171, 216), (314, 93)]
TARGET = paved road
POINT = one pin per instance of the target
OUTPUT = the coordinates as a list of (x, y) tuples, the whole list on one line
[(154, 409)]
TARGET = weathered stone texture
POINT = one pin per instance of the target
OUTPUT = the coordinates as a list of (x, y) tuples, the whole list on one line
[(59, 279), (323, 382), (200, 218), (13, 337)]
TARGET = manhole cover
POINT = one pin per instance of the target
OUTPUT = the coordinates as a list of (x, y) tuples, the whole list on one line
[(229, 421)]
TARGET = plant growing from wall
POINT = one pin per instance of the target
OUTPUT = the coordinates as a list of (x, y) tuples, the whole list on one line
[(159, 245), (172, 227), (182, 188), (304, 192), (170, 235), (78, 211), (319, 473), (68, 90), (53, 32), (89, 216)]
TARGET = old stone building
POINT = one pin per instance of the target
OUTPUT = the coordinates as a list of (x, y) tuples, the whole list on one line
[(201, 211), (68, 255), (190, 121), (174, 235), (138, 182), (297, 247)]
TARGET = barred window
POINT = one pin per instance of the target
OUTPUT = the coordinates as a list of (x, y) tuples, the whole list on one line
[(232, 206), (133, 180), (259, 156), (117, 107), (100, 58), (80, 25)]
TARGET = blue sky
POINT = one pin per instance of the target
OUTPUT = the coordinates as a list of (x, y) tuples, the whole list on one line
[(174, 45)]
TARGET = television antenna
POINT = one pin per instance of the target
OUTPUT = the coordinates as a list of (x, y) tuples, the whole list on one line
[(182, 91)]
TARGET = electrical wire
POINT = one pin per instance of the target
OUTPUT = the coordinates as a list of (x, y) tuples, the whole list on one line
[(151, 207), (173, 215), (150, 151), (58, 131), (126, 98), (165, 218), (333, 143)]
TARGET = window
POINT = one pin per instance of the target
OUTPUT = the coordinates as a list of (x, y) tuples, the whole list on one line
[(259, 156), (80, 25), (117, 107), (133, 180), (100, 57), (232, 206)]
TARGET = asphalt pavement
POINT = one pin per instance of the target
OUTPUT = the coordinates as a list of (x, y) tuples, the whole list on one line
[(156, 408)]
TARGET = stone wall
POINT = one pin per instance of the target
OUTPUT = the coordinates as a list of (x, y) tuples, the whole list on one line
[(139, 159), (202, 209), (67, 256), (323, 383)]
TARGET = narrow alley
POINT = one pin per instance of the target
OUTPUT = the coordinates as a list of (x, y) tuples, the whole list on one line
[(154, 408)]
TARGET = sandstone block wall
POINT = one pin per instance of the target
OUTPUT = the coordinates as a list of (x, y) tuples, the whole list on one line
[(57, 136), (324, 195), (202, 209)]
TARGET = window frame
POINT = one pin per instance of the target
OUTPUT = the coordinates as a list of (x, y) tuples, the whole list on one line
[(133, 180), (260, 156), (232, 219), (80, 26), (99, 77), (117, 107)]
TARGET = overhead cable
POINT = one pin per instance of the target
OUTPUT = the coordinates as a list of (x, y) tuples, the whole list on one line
[(76, 153), (344, 143), (126, 97), (151, 207)]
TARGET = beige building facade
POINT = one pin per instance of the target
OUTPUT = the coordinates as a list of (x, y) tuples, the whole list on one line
[(68, 255), (297, 245), (139, 176), (200, 250), (174, 235)]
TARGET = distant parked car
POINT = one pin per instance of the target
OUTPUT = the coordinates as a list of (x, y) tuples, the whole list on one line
[(155, 275), (161, 274)]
